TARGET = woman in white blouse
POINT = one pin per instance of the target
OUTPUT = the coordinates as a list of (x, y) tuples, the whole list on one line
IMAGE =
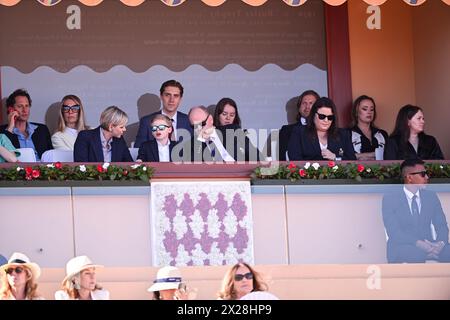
[(71, 121)]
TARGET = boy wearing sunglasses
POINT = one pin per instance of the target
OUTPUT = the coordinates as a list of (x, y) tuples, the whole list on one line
[(408, 217), (159, 149)]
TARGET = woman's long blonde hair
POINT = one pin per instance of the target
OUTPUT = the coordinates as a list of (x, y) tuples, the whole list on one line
[(30, 287), (227, 291), (81, 123), (69, 286)]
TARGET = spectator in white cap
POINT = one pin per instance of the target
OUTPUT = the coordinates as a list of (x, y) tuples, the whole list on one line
[(18, 278), (80, 282), (168, 285)]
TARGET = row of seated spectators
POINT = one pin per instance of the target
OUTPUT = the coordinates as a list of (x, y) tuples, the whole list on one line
[(19, 281), (170, 135)]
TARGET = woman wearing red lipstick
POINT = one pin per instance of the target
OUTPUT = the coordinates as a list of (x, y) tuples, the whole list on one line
[(160, 148), (367, 139), (408, 140)]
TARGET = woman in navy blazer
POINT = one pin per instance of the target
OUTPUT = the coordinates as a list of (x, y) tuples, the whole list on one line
[(150, 151), (321, 139), (105, 140)]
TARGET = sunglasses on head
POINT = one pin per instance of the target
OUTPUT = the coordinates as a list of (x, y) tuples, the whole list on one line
[(239, 277), (422, 173), (323, 116), (160, 127), (74, 108), (16, 269)]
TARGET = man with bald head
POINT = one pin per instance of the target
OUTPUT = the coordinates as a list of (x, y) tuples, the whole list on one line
[(408, 215), (210, 144)]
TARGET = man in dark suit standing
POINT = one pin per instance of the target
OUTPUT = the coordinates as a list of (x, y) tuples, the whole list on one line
[(24, 134), (408, 215), (171, 93), (304, 104)]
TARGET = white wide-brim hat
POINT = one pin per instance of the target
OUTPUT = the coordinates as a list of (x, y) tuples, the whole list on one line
[(78, 264), (167, 278), (19, 259)]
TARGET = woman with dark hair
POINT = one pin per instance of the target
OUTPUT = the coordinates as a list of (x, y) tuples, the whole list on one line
[(240, 280), (408, 140), (304, 103), (321, 139), (368, 140), (226, 113)]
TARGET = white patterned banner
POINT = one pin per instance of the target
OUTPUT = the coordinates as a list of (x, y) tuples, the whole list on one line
[(201, 223)]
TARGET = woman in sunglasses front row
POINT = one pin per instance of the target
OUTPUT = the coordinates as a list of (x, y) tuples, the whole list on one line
[(160, 148), (321, 138), (18, 279), (242, 282)]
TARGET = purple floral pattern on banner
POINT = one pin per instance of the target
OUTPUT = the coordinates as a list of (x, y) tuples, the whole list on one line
[(202, 224)]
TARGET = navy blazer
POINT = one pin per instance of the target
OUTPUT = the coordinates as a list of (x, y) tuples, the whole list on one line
[(88, 148), (428, 149), (399, 223), (41, 138), (148, 152), (145, 132), (304, 147), (283, 139)]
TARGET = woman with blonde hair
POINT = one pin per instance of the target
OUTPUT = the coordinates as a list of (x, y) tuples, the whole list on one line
[(104, 143), (70, 122), (18, 279), (239, 281), (80, 282)]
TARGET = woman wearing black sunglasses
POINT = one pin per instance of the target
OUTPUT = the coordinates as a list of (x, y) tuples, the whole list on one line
[(239, 281), (321, 138), (160, 148), (71, 121), (18, 279)]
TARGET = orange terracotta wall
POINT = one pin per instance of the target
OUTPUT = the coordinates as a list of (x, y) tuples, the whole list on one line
[(382, 61), (431, 36), (404, 62)]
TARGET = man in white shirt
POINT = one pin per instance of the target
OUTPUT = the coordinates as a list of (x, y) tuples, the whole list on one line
[(408, 215)]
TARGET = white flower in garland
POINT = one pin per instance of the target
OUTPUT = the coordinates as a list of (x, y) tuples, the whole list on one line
[(198, 255), (179, 225), (213, 223), (230, 222), (82, 168), (183, 257), (50, 165), (106, 165), (135, 166), (215, 256), (369, 170), (19, 169), (335, 168), (316, 166), (197, 224), (307, 165)]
